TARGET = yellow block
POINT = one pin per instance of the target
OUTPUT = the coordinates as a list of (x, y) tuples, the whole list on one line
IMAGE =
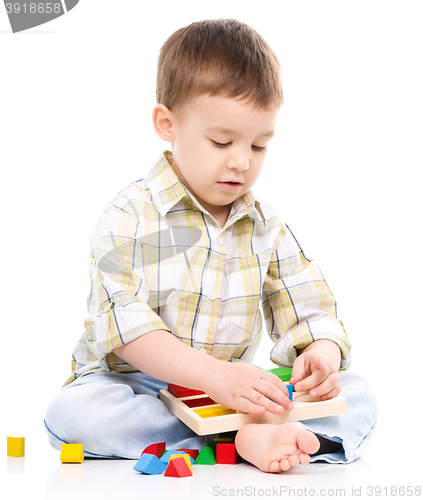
[(72, 453), (214, 411), (15, 446), (186, 457)]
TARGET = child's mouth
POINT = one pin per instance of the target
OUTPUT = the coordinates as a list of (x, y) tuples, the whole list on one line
[(230, 186)]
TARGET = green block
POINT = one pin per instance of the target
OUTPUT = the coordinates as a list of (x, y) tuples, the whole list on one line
[(283, 372), (205, 457)]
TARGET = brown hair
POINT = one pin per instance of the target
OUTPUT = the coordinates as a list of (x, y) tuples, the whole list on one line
[(221, 57)]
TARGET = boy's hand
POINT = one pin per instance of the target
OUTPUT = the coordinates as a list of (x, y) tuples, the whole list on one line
[(244, 387), (316, 371)]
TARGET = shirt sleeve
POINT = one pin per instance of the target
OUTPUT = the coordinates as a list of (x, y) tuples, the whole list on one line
[(298, 306), (118, 299)]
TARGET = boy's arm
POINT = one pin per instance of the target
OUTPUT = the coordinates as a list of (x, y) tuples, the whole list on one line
[(162, 356), (298, 306), (236, 385)]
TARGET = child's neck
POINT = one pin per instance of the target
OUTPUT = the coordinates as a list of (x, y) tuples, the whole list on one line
[(222, 217)]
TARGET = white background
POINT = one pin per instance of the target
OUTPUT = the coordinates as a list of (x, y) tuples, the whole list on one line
[(76, 97)]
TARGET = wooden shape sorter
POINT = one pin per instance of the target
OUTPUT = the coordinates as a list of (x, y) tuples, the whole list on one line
[(205, 418)]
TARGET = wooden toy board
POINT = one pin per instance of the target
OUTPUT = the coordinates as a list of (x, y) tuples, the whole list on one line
[(305, 407)]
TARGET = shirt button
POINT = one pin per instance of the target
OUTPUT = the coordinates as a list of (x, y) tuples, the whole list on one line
[(211, 295), (220, 241)]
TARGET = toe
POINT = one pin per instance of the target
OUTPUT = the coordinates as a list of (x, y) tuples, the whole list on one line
[(275, 467), (308, 442), (294, 460), (304, 459), (285, 465)]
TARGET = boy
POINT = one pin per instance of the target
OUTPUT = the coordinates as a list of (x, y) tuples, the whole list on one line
[(179, 263)]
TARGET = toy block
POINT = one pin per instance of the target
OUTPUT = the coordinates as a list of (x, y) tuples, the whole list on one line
[(185, 456), (182, 392), (290, 390), (217, 440), (15, 446), (192, 453), (195, 403), (72, 453), (227, 454), (155, 449), (149, 464), (283, 372), (214, 411), (178, 468), (166, 456), (206, 457), (188, 457)]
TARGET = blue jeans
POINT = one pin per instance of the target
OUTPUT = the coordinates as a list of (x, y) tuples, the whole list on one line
[(117, 415)]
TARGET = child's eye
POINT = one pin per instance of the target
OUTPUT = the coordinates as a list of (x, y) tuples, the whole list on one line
[(260, 149), (220, 145)]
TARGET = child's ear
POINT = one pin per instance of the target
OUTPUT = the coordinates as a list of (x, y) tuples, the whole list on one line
[(163, 120)]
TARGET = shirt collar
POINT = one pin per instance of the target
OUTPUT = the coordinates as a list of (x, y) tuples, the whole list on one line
[(167, 190)]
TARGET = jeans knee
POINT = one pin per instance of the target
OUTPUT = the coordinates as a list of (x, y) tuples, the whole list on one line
[(53, 419), (360, 396)]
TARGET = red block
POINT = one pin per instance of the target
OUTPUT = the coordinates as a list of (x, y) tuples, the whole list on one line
[(192, 453), (182, 392), (155, 449), (227, 454), (196, 403), (178, 468)]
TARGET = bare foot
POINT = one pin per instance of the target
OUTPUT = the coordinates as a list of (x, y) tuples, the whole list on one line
[(273, 448)]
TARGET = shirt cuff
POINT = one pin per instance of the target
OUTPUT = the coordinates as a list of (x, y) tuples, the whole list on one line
[(285, 351)]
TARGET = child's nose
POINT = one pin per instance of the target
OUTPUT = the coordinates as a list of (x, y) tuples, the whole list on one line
[(239, 161)]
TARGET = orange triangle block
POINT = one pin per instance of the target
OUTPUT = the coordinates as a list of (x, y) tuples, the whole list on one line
[(178, 468)]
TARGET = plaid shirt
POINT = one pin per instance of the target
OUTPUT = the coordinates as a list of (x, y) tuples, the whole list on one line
[(159, 260)]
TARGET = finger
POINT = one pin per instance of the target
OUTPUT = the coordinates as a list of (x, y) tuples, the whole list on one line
[(332, 393), (274, 390), (315, 379), (271, 386), (322, 365), (270, 397), (274, 380), (325, 387), (298, 370), (247, 406)]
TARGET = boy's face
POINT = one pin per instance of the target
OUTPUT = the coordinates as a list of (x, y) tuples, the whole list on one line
[(217, 140)]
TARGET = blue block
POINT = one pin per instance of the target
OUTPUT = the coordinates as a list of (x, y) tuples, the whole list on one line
[(290, 390), (166, 456), (150, 464)]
